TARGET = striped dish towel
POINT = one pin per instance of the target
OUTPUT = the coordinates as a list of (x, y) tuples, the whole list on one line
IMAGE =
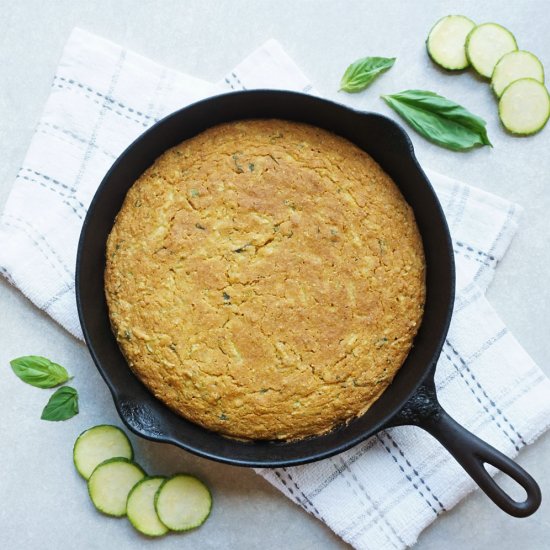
[(382, 493)]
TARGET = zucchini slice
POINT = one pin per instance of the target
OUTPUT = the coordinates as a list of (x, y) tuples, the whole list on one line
[(524, 107), (141, 507), (183, 502), (513, 66), (97, 444), (110, 484), (446, 42), (486, 44)]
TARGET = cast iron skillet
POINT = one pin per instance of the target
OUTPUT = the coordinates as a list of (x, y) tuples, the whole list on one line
[(409, 400)]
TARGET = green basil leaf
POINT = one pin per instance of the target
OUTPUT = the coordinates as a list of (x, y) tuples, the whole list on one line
[(39, 371), (363, 71), (63, 404), (439, 119)]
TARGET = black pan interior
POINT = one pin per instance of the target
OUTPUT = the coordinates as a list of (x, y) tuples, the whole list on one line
[(388, 144)]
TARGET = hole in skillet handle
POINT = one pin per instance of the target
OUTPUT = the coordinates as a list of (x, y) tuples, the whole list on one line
[(423, 410)]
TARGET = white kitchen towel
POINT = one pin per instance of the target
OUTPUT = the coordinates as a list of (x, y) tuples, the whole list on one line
[(382, 493)]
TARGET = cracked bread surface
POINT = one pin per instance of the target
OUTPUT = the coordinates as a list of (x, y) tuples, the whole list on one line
[(265, 279)]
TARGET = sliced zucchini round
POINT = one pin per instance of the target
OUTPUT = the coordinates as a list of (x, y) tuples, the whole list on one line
[(183, 502), (98, 444), (486, 44), (446, 42), (140, 507), (513, 66), (110, 484), (524, 107)]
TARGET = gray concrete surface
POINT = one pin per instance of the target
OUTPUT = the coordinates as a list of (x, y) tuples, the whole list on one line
[(44, 503)]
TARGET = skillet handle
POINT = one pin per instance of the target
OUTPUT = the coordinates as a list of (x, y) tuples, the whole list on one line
[(424, 410), (472, 454)]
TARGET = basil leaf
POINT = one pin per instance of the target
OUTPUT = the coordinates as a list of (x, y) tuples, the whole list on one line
[(439, 119), (363, 71), (39, 371), (63, 404)]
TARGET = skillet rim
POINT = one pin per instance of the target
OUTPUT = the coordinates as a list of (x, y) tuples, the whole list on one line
[(388, 418)]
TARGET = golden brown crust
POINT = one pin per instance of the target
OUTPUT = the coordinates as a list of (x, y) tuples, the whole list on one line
[(265, 279)]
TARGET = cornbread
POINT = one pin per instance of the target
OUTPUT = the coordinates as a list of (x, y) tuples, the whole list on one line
[(265, 279)]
